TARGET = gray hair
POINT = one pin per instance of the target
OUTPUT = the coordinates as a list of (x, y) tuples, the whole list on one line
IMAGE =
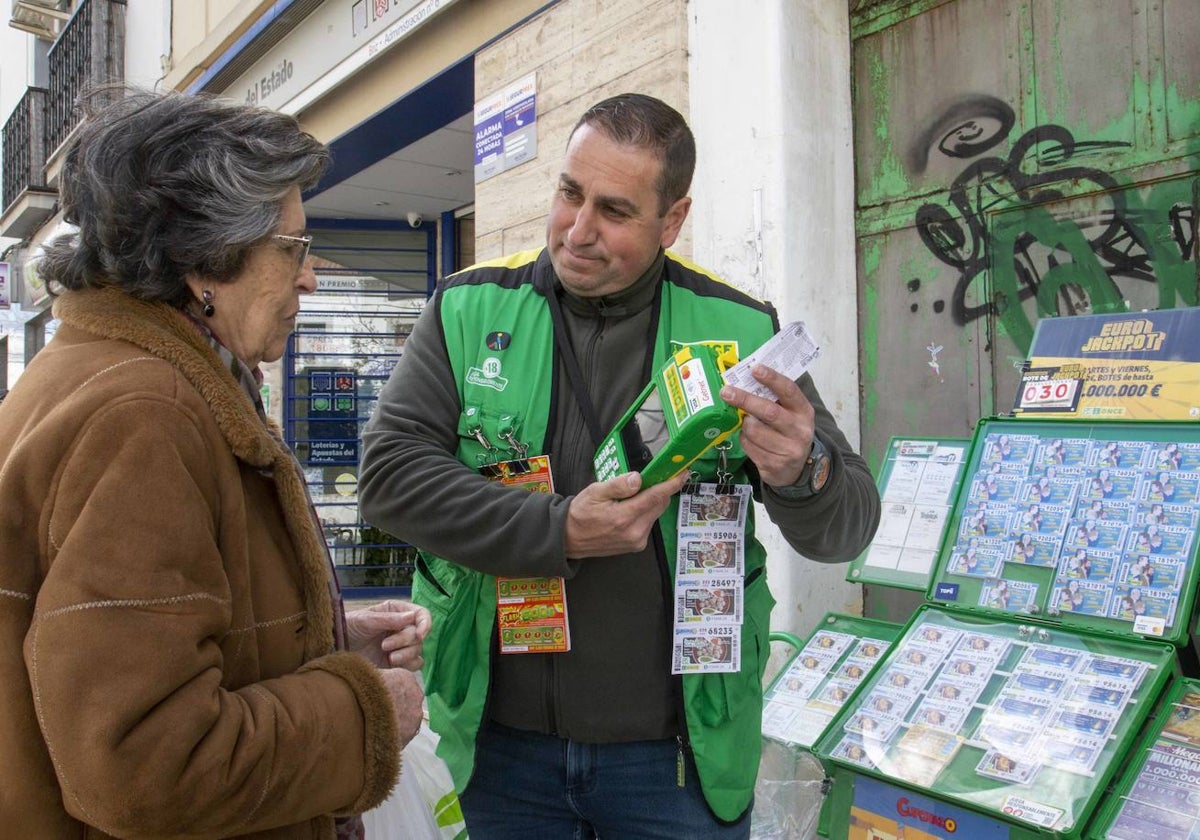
[(635, 119), (164, 185)]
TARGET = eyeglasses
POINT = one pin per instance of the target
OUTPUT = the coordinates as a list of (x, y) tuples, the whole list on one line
[(305, 242)]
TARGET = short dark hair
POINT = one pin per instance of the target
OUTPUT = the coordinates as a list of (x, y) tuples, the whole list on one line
[(635, 119), (163, 185)]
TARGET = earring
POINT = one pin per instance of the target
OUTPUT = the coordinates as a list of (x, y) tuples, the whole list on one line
[(209, 310)]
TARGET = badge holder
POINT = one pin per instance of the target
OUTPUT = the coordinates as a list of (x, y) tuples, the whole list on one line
[(531, 613)]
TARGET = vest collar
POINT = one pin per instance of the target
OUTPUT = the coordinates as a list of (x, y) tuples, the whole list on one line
[(622, 304)]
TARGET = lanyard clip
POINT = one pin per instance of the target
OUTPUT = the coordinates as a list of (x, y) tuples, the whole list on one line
[(724, 476), (477, 433), (519, 449)]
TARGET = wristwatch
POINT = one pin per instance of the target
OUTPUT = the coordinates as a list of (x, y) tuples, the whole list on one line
[(813, 477)]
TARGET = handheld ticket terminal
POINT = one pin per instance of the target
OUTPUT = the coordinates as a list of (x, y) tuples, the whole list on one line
[(675, 419)]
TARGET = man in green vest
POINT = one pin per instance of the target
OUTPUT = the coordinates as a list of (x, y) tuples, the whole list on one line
[(570, 698)]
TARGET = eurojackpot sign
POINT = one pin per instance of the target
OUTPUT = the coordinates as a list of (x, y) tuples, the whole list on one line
[(1120, 366)]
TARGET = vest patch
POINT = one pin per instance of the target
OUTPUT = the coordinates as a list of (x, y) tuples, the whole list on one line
[(488, 375), (498, 340)]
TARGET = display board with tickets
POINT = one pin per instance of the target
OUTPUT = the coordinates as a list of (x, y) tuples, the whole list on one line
[(918, 482), (984, 727), (1158, 796), (814, 684), (1088, 525)]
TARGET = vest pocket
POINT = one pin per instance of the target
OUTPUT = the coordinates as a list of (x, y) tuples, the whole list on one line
[(450, 593), (725, 697)]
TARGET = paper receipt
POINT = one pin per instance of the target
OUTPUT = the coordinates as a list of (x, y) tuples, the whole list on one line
[(790, 351)]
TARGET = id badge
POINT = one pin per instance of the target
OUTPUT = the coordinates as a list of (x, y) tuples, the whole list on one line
[(531, 613)]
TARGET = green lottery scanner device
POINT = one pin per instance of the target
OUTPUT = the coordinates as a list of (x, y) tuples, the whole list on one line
[(675, 420)]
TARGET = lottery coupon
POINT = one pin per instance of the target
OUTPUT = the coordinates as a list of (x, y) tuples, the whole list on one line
[(1034, 549), (934, 637), (829, 640), (997, 765), (790, 351), (714, 506), (1071, 751), (1040, 519), (994, 648), (1170, 487), (1082, 596), (1008, 448), (711, 600), (949, 716), (1050, 657), (979, 558), (1093, 534), (1008, 595), (1174, 516), (707, 650), (1129, 454), (1184, 722), (852, 748), (1063, 452), (711, 551), (1105, 483)]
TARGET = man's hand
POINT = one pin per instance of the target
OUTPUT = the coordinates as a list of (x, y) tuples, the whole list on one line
[(612, 517), (776, 436), (389, 634), (407, 697)]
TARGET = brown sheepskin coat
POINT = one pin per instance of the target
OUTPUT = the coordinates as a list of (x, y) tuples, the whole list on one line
[(165, 618)]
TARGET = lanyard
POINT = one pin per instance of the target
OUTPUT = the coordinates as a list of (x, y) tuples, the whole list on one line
[(575, 373)]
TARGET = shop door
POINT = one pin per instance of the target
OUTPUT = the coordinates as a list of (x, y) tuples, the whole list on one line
[(348, 337)]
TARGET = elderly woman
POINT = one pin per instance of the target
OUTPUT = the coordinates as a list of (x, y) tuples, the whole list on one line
[(174, 659)]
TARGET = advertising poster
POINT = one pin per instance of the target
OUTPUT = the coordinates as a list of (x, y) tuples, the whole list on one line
[(883, 812), (4, 299), (1120, 366), (506, 128)]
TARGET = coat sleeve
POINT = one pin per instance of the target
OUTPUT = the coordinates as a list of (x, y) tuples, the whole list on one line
[(125, 660), (836, 525), (412, 485)]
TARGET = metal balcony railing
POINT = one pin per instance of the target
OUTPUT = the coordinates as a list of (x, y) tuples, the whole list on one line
[(90, 51), (24, 140)]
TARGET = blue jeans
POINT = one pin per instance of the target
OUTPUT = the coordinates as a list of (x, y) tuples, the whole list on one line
[(528, 785)]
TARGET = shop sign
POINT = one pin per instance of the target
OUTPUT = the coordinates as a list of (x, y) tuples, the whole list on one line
[(4, 299), (328, 47)]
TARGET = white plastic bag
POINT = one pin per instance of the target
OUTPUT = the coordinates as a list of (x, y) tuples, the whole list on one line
[(788, 794), (424, 805)]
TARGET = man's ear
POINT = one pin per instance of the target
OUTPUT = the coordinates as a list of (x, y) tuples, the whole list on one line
[(673, 221)]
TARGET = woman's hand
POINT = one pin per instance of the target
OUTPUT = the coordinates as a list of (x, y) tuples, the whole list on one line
[(389, 634)]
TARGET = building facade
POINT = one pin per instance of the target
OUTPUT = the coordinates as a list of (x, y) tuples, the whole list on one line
[(918, 180)]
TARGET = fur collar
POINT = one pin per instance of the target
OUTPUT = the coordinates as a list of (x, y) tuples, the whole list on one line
[(161, 330)]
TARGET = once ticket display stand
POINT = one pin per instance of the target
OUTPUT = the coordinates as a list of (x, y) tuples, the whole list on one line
[(986, 728), (1020, 700)]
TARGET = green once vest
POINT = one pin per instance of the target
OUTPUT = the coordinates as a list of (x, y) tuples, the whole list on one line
[(724, 711)]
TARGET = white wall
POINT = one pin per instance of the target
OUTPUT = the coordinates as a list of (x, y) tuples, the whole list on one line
[(773, 211), (147, 41)]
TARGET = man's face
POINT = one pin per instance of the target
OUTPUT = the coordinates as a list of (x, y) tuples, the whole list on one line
[(604, 229)]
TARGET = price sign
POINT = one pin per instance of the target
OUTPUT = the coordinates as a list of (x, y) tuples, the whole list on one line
[(1059, 393), (1041, 392)]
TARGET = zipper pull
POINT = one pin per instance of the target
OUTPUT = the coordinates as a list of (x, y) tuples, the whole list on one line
[(679, 771)]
